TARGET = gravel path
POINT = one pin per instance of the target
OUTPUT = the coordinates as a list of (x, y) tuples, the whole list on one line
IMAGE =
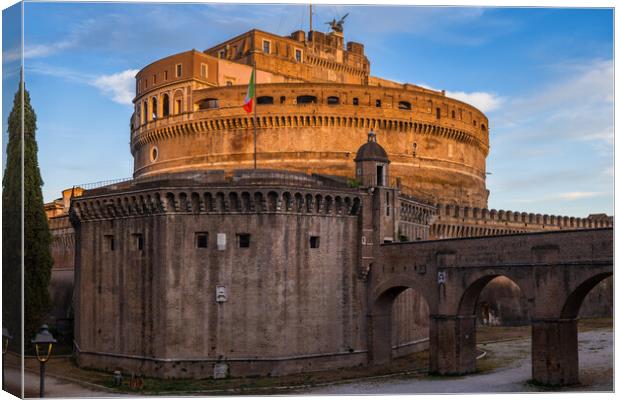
[(595, 362)]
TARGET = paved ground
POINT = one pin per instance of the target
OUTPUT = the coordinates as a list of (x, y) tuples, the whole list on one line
[(53, 387), (510, 363), (595, 361)]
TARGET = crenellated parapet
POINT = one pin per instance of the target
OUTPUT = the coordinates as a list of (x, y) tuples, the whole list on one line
[(457, 221), (217, 200)]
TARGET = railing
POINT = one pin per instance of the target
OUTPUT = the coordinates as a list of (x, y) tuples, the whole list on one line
[(99, 184)]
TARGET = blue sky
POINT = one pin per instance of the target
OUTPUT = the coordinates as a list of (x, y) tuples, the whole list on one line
[(543, 76)]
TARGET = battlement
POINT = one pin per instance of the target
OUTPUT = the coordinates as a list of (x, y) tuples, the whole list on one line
[(471, 221)]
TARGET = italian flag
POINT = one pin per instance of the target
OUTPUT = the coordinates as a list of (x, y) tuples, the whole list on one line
[(248, 103)]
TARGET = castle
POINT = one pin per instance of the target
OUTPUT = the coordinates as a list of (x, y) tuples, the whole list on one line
[(200, 265)]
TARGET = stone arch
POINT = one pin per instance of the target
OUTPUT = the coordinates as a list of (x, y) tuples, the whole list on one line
[(309, 203), (195, 201), (328, 204), (288, 201), (246, 202), (220, 202), (380, 323), (575, 298), (233, 201), (259, 202), (272, 201), (318, 203), (474, 286), (299, 202)]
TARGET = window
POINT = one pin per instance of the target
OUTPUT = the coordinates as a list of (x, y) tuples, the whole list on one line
[(333, 100), (483, 127), (221, 54), (306, 99), (356, 101), (154, 107), (298, 55), (208, 104), (387, 204), (154, 80), (179, 70), (453, 114), (166, 75), (178, 106), (415, 149), (282, 99), (109, 241), (138, 241), (266, 46), (243, 239), (377, 103), (154, 154), (264, 100), (475, 122), (438, 112), (404, 105), (202, 240), (166, 105), (379, 175), (315, 241), (204, 69), (229, 83), (146, 111)]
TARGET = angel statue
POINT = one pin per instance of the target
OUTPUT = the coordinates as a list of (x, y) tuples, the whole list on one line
[(337, 25)]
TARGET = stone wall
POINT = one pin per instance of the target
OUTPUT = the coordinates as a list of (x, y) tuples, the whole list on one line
[(152, 308)]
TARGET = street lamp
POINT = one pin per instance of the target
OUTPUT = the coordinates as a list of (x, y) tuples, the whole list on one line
[(6, 336), (43, 343)]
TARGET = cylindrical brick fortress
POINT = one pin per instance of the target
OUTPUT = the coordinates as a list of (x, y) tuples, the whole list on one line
[(437, 145)]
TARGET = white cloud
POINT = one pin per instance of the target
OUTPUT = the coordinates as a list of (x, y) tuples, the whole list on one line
[(484, 101), (578, 195), (578, 106), (44, 50), (119, 86)]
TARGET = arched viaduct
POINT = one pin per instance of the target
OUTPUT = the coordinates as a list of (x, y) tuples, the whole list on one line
[(555, 271)]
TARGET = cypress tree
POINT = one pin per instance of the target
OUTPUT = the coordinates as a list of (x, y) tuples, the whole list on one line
[(37, 238)]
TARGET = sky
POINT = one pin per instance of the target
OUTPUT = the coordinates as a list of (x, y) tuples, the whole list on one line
[(543, 76)]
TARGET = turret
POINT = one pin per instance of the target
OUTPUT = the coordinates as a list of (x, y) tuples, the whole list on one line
[(372, 163)]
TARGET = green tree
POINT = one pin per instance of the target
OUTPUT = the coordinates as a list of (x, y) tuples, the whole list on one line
[(36, 235)]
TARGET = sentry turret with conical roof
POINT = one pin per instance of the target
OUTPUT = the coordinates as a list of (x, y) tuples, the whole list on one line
[(371, 163)]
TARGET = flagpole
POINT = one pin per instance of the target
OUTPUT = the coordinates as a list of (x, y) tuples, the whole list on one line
[(255, 104)]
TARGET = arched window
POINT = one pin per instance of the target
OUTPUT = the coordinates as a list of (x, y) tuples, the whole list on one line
[(178, 102), (453, 114), (332, 100), (306, 99), (484, 128), (145, 114), (208, 104), (377, 103), (356, 101), (264, 100), (404, 105), (154, 107), (166, 105)]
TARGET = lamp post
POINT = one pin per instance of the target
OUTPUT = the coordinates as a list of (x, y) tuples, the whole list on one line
[(43, 343), (6, 336)]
